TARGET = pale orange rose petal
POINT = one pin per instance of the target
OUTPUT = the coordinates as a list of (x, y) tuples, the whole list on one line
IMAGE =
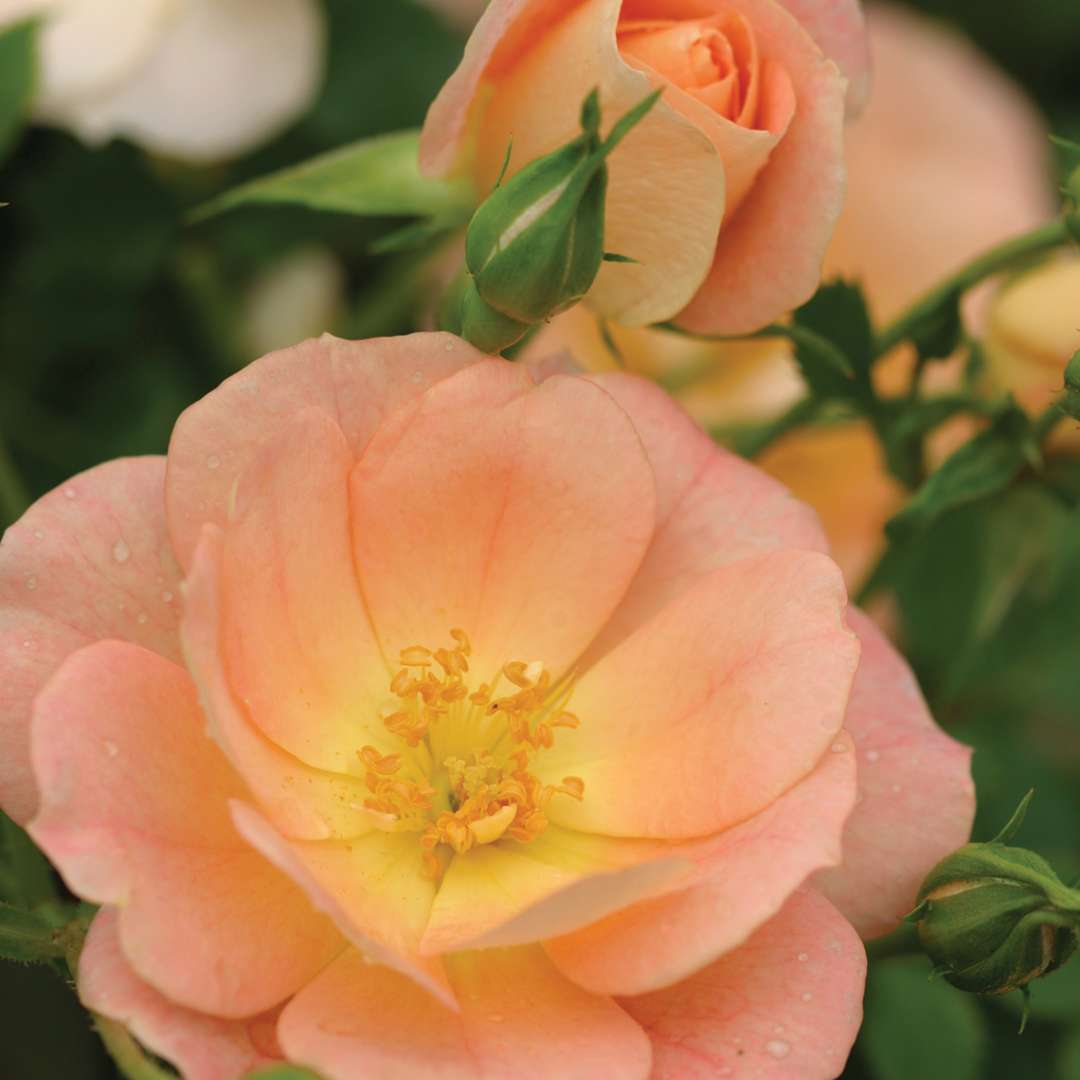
[(713, 708), (301, 801), (513, 894), (518, 1017), (373, 887), (482, 507), (357, 383), (713, 508), (299, 651), (741, 879), (916, 801), (768, 259), (89, 560), (665, 163), (117, 738), (786, 1004), (203, 1047)]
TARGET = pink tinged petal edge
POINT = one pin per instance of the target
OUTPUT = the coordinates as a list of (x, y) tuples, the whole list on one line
[(715, 707), (301, 802), (788, 1003), (134, 813), (373, 889), (89, 560), (357, 383), (515, 511), (713, 508), (769, 256), (742, 878), (202, 1047), (917, 799), (517, 1017), (297, 645), (839, 28)]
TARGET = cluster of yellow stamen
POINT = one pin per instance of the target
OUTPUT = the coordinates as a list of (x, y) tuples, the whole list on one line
[(488, 793)]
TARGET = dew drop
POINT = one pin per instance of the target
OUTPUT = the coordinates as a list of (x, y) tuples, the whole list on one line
[(777, 1048), (121, 552), (38, 534), (28, 643), (872, 756), (496, 1018), (803, 957), (808, 996), (111, 748), (142, 618), (31, 582), (416, 376), (213, 461), (69, 492), (838, 747), (725, 1071), (167, 596)]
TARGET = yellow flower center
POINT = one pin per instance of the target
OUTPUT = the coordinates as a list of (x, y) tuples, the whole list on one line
[(463, 776)]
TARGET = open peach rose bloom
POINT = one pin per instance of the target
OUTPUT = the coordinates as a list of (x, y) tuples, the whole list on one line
[(421, 715)]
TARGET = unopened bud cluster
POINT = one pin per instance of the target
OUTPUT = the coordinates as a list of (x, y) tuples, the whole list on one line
[(536, 245)]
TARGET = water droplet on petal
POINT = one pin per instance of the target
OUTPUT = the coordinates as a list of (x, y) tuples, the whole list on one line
[(70, 492), (896, 788), (142, 619), (167, 596), (838, 747), (803, 957), (777, 1048), (416, 376), (111, 748), (31, 582), (808, 996), (38, 534), (496, 1018), (872, 756), (121, 552), (213, 461)]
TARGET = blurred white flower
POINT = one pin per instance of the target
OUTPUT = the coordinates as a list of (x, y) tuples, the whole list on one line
[(298, 297), (200, 80)]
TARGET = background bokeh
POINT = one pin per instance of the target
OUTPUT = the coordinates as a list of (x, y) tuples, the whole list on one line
[(115, 314)]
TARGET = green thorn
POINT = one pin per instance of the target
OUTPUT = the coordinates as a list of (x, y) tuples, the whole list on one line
[(1012, 827), (615, 257), (1026, 992)]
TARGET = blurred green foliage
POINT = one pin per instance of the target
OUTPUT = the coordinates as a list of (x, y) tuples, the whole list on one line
[(115, 314)]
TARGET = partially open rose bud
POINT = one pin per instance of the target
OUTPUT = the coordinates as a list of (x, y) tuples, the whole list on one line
[(992, 917), (536, 244)]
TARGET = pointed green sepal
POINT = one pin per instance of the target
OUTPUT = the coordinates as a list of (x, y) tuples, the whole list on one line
[(1012, 826)]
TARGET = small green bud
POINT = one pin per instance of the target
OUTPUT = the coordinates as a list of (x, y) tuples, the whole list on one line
[(993, 917), (536, 244), (1071, 400)]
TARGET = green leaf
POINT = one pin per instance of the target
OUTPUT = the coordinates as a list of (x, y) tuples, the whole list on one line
[(18, 72), (837, 314), (940, 330), (378, 177), (918, 1028), (26, 878), (27, 938), (982, 467)]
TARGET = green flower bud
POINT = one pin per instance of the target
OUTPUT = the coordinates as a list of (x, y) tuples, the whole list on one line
[(1071, 400), (992, 917), (535, 246)]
